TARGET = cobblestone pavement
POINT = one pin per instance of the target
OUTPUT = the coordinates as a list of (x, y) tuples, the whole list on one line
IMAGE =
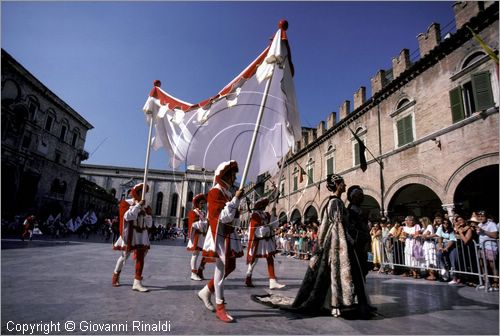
[(52, 286)]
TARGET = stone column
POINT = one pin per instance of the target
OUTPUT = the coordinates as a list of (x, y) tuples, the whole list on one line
[(449, 208)]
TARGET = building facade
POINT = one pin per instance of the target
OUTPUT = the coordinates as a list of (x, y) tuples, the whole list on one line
[(430, 128), (170, 193), (42, 146)]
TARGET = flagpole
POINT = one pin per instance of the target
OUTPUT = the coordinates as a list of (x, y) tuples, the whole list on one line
[(373, 156), (148, 151), (279, 179), (256, 129)]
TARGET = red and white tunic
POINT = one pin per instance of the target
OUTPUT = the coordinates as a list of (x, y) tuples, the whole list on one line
[(134, 225), (261, 237), (197, 226), (222, 240)]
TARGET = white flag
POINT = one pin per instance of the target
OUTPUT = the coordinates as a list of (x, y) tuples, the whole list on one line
[(221, 128)]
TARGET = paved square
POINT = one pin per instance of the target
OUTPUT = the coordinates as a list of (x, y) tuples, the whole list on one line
[(50, 284)]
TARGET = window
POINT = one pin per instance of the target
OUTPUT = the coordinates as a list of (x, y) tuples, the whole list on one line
[(310, 171), (32, 107), (57, 158), (361, 134), (282, 187), (173, 205), (404, 124), (295, 179), (62, 136), (48, 123), (26, 140), (73, 140), (330, 160), (159, 201), (405, 131), (472, 96)]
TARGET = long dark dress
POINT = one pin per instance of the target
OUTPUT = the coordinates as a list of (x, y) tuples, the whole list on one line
[(328, 281)]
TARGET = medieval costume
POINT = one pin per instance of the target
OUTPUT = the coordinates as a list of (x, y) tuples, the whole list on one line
[(135, 220), (261, 242), (222, 241), (197, 229)]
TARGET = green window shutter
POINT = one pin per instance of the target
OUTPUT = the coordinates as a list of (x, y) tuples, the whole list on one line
[(408, 129), (457, 104), (295, 182), (481, 86), (329, 166), (401, 134), (356, 153), (310, 175)]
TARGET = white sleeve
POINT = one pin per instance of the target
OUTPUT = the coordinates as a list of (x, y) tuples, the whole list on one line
[(133, 212), (227, 214)]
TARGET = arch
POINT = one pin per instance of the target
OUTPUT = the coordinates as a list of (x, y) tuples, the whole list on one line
[(282, 218), (471, 58), (426, 180), (466, 169), (11, 91), (159, 202), (295, 217), (173, 205), (404, 101), (310, 214), (414, 199), (477, 191)]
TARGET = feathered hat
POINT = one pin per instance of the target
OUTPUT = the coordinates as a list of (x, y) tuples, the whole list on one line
[(198, 198), (223, 169)]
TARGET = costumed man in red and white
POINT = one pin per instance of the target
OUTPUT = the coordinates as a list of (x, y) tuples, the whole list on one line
[(197, 226), (261, 241), (28, 226), (222, 242), (135, 220)]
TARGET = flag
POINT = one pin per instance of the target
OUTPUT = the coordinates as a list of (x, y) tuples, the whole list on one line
[(220, 128), (485, 46), (77, 223), (302, 172), (70, 225), (362, 148)]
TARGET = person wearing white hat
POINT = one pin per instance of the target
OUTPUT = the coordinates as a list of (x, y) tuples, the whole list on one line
[(222, 242), (135, 220), (261, 242)]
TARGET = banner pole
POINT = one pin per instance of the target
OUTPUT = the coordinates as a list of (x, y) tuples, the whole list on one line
[(148, 151), (256, 129)]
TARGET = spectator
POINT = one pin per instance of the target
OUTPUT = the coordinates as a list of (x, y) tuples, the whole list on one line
[(466, 235), (398, 243), (376, 235), (413, 246), (446, 250), (428, 235), (488, 235)]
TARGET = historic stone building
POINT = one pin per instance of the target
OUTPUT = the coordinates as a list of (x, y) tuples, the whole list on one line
[(170, 192), (431, 125), (42, 146)]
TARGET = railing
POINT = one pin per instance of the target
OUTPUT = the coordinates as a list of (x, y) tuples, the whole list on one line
[(467, 261)]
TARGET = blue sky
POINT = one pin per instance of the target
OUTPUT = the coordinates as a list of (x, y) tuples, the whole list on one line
[(102, 57)]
